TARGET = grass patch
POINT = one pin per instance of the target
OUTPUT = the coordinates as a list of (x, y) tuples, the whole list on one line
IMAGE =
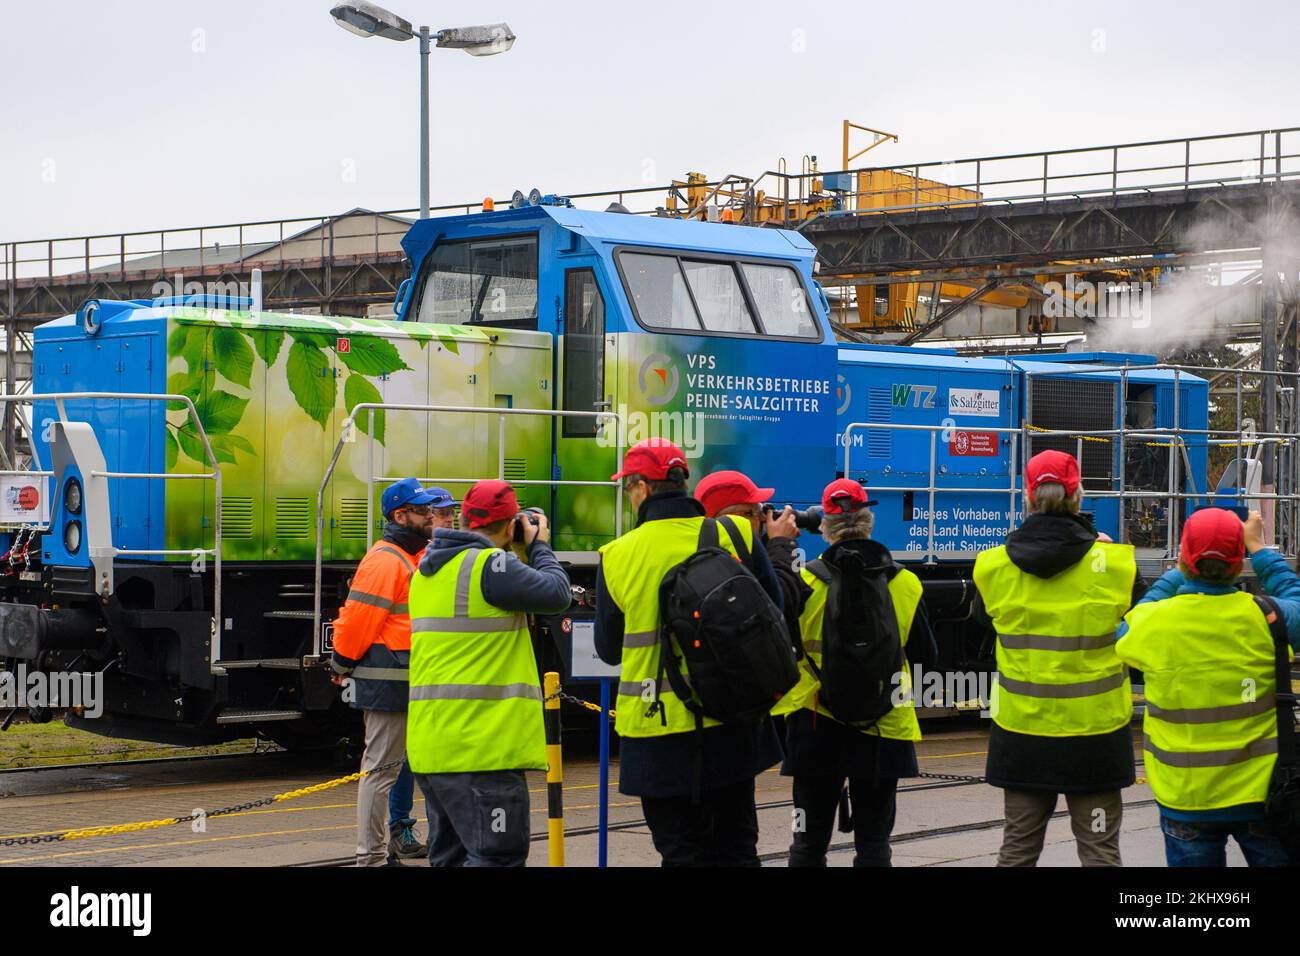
[(28, 745)]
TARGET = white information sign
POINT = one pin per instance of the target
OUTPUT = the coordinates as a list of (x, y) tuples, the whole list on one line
[(979, 402), (585, 661), (22, 500)]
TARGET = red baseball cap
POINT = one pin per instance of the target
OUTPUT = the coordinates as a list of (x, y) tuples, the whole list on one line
[(1054, 466), (651, 458), (844, 495), (722, 489), (1213, 533), (490, 501)]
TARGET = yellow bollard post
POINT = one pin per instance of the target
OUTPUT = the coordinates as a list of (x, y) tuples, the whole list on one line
[(554, 770)]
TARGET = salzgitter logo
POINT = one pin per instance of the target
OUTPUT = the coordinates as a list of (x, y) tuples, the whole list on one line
[(659, 374)]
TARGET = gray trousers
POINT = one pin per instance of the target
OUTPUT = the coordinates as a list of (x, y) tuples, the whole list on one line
[(1094, 818), (385, 744), (477, 819)]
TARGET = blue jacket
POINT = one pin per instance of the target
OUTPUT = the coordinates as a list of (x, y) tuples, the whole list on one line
[(1281, 584), (539, 587)]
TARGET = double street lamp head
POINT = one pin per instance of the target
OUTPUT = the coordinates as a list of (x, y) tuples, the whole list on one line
[(371, 20)]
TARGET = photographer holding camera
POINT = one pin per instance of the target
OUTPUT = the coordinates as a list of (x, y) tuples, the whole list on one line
[(475, 716), (733, 493)]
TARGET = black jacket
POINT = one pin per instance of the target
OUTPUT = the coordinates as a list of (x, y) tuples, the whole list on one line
[(1044, 546), (818, 746), (794, 592), (665, 766)]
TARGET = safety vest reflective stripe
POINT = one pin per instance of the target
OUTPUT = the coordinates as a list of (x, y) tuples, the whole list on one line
[(1048, 642), (1211, 758), (475, 691), (381, 673), (1064, 691), (641, 639), (470, 625), (1211, 715), (397, 551), (812, 647), (374, 600)]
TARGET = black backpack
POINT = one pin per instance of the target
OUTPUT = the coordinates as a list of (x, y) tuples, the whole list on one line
[(862, 652), (729, 632)]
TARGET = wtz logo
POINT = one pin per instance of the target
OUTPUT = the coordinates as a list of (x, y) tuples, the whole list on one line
[(918, 396), (659, 379)]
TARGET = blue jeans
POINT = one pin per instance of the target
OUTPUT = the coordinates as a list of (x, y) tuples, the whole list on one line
[(401, 798), (1206, 844)]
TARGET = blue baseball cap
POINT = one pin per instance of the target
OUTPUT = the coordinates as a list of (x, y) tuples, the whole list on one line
[(408, 491), (441, 497)]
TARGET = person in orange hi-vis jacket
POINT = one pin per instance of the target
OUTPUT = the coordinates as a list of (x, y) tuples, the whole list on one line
[(372, 650)]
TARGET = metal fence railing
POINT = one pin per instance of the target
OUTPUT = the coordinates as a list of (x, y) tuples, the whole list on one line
[(347, 435), (783, 197)]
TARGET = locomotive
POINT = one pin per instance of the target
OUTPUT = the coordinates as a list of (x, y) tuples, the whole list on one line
[(205, 475)]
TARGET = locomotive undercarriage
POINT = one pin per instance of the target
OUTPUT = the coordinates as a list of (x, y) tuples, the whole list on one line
[(152, 641)]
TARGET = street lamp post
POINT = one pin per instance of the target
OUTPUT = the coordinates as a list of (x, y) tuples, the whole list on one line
[(369, 20)]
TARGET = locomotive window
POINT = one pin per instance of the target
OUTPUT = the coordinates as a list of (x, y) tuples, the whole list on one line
[(492, 281), (780, 299), (584, 351), (659, 292), (717, 293)]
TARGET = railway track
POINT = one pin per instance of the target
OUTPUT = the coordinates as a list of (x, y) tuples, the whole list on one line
[(640, 822)]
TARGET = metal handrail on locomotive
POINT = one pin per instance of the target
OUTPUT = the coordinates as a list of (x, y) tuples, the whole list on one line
[(716, 336)]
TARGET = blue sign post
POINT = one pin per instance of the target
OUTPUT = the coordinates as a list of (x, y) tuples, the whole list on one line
[(586, 665), (602, 837)]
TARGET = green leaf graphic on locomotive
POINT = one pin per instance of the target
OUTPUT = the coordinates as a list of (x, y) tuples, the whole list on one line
[(373, 357), (357, 390), (189, 342), (310, 378), (268, 345), (233, 354), (173, 449)]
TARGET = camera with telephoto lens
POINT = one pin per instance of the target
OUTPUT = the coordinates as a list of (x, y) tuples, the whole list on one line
[(809, 519), (526, 515)]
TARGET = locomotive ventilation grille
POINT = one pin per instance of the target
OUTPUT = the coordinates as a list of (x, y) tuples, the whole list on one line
[(236, 517), (880, 408), (294, 518), (352, 518), (1077, 404)]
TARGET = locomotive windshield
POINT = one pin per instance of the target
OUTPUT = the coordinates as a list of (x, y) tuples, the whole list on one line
[(490, 281), (683, 293)]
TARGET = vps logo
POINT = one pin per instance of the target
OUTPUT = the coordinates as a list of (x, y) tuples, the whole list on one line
[(659, 379), (843, 393)]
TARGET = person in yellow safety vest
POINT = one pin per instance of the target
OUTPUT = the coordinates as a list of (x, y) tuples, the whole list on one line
[(1207, 656), (475, 720), (1062, 703), (663, 759), (820, 751)]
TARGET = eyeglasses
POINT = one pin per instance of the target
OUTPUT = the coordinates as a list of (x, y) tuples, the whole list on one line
[(422, 510)]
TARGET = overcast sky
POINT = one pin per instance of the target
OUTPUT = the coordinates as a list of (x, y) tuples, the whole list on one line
[(163, 113)]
